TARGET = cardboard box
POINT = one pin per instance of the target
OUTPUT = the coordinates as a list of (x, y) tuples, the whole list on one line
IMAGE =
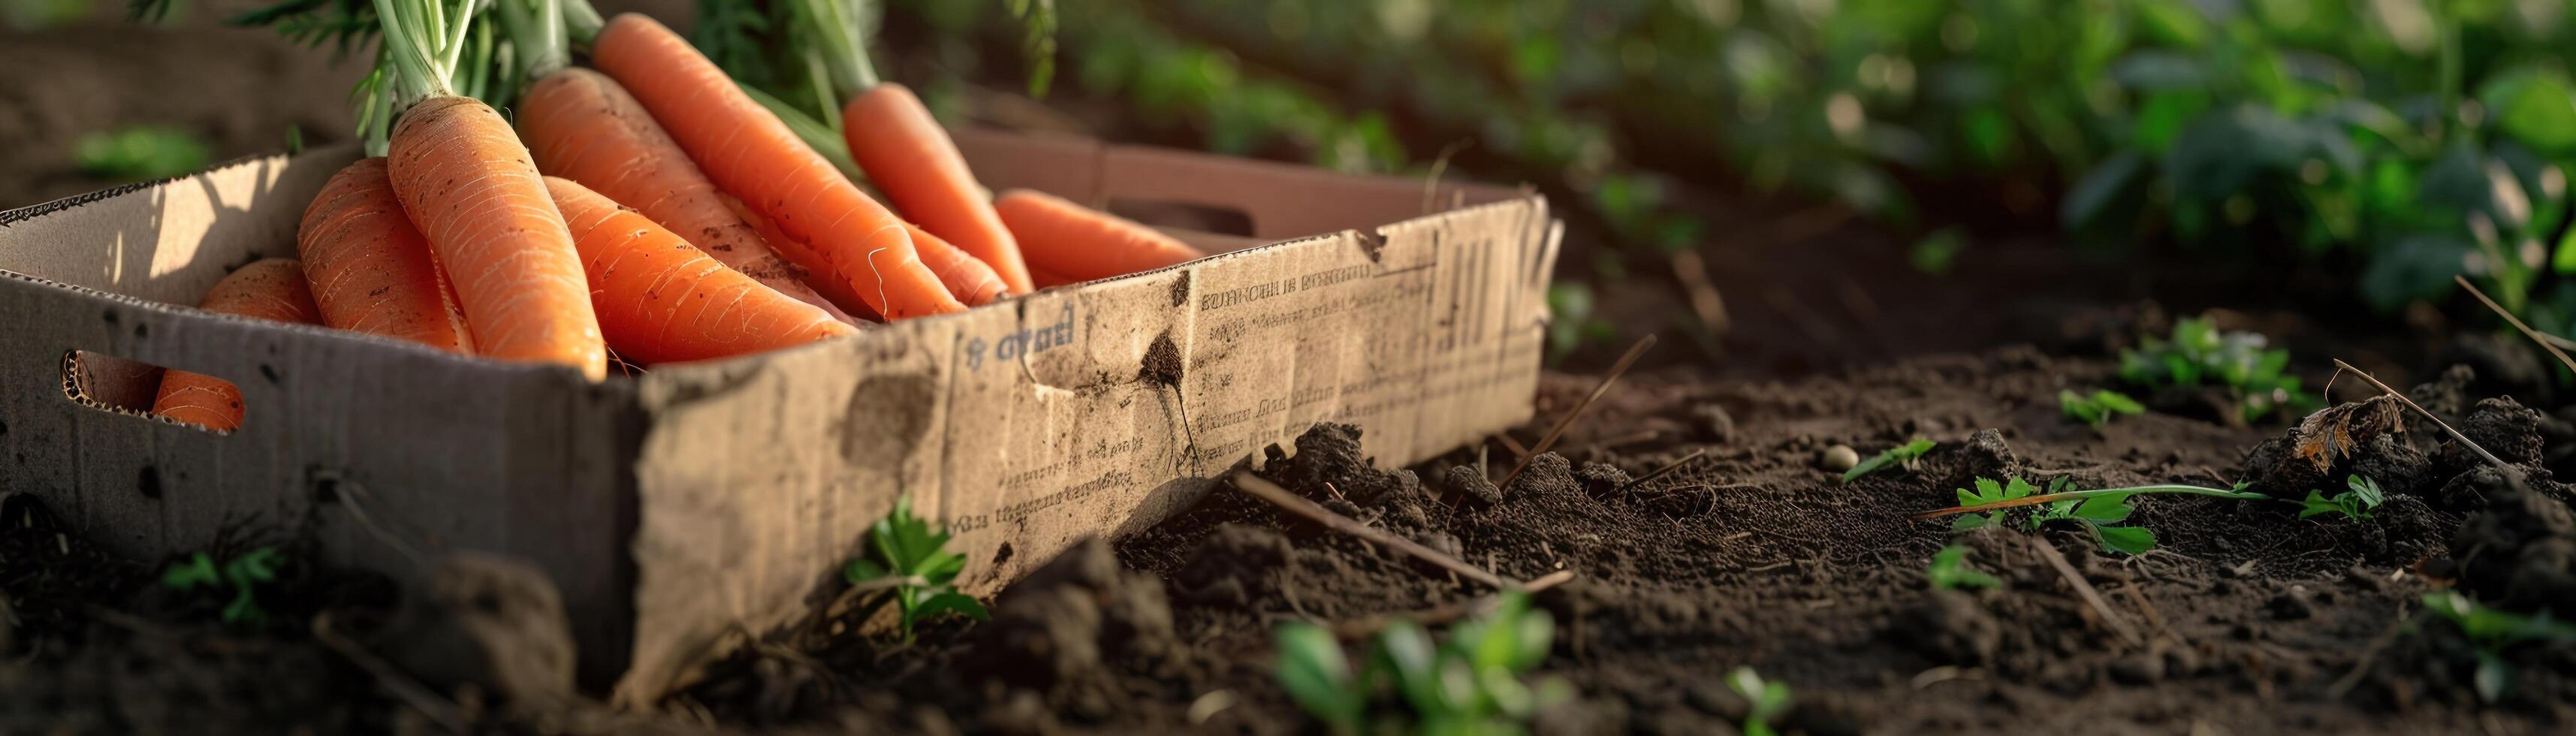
[(680, 508)]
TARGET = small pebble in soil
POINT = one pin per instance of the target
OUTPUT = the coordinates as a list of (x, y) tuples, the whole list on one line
[(1714, 423), (2292, 605), (1837, 458)]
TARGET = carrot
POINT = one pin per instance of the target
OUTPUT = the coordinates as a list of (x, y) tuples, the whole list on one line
[(582, 126), (661, 300), (967, 279), (1048, 279), (746, 150), (370, 270), (468, 184), (911, 159), (270, 289), (1080, 243)]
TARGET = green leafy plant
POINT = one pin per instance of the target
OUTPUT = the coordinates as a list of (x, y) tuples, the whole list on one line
[(2492, 631), (1572, 323), (2377, 134), (1767, 700), (2357, 503), (2096, 510), (912, 569), (1472, 683), (2198, 354), (1950, 571), (2097, 409), (1903, 455), (141, 153), (243, 574)]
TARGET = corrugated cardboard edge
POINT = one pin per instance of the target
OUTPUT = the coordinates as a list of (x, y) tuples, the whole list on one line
[(1074, 413)]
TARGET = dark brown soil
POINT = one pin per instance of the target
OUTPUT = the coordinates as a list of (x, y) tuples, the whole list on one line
[(2248, 619)]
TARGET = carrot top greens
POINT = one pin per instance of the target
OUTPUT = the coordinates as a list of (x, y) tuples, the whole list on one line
[(490, 50)]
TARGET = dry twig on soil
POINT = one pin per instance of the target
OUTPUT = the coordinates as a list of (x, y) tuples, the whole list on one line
[(1667, 469), (445, 712), (2535, 335), (1295, 504), (1544, 443), (2084, 589), (2437, 421)]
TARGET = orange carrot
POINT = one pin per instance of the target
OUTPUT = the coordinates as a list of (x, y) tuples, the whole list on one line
[(370, 270), (968, 279), (467, 182), (750, 153), (661, 300), (271, 289), (903, 149), (583, 127), (798, 254), (1080, 243), (1048, 279)]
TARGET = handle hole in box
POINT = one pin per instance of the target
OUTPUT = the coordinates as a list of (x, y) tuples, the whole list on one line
[(120, 386)]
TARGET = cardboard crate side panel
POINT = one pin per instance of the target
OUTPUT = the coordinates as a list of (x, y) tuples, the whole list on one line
[(1483, 337), (757, 478), (336, 426), (567, 466), (170, 243), (1064, 422), (1251, 330)]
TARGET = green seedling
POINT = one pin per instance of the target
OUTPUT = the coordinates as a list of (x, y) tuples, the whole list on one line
[(1473, 683), (2098, 409), (2492, 631), (913, 570), (2199, 355), (142, 153), (2097, 510), (242, 574), (2356, 503), (1950, 571), (1903, 455), (1572, 323), (1769, 700)]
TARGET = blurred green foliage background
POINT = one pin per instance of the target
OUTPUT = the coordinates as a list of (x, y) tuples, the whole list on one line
[(2400, 141)]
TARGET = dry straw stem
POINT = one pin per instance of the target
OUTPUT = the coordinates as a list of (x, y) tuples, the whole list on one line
[(2545, 342), (1630, 359), (2437, 421), (445, 712), (1295, 504), (2085, 589), (1667, 469)]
